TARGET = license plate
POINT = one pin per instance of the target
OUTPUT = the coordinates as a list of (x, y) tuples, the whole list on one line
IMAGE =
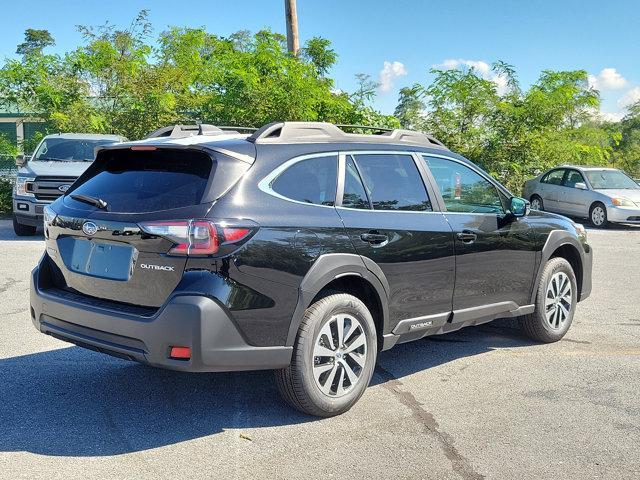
[(103, 260)]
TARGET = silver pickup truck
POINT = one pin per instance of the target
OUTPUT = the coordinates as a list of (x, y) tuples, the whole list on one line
[(58, 160)]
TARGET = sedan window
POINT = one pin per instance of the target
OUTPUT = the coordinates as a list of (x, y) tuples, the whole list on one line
[(573, 178), (554, 177)]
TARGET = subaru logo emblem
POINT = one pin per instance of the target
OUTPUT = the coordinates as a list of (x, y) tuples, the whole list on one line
[(89, 228), (63, 188)]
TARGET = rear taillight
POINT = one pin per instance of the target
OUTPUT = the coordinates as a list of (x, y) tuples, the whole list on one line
[(201, 237)]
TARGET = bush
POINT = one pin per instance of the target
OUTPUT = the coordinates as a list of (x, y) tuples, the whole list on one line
[(6, 188)]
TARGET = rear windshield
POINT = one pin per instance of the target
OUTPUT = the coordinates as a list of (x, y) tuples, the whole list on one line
[(147, 181)]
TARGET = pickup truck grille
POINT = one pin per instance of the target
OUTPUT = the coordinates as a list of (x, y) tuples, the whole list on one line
[(48, 188)]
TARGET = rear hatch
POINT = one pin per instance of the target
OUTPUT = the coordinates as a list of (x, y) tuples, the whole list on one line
[(115, 235)]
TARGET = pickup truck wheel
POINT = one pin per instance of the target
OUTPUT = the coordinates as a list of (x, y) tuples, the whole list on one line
[(22, 230), (556, 301), (333, 357)]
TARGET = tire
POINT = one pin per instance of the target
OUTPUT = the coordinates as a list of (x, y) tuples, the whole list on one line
[(305, 384), (551, 327), (600, 212), (22, 230), (538, 199)]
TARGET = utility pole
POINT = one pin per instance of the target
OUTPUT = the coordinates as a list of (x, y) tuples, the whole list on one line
[(291, 14)]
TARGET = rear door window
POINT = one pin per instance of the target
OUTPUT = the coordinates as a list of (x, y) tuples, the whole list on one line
[(147, 181), (354, 195), (554, 177), (393, 182), (312, 180), (573, 177)]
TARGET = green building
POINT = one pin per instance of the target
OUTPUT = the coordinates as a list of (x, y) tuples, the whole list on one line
[(18, 126)]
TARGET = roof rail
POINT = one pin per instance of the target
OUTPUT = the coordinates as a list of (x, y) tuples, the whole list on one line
[(363, 127), (309, 132), (181, 131), (404, 135), (231, 128)]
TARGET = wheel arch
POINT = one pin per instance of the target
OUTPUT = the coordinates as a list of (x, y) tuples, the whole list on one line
[(562, 244), (347, 273)]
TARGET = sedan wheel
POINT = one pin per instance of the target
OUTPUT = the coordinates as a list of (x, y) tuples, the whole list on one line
[(536, 203), (599, 216)]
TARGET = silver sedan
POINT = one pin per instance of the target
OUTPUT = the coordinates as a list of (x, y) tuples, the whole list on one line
[(602, 195)]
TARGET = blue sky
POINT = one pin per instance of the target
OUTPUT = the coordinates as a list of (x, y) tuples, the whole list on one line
[(412, 36)]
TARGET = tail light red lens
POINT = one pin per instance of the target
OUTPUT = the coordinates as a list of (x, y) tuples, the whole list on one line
[(197, 237)]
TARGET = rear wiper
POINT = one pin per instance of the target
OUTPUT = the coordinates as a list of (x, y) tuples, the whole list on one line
[(97, 202)]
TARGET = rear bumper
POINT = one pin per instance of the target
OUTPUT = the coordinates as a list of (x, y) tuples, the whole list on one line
[(194, 321)]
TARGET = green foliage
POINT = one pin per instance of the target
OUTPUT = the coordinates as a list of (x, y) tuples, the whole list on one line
[(117, 82), (409, 111), (514, 134), (7, 148), (319, 53), (5, 196), (34, 42), (130, 81)]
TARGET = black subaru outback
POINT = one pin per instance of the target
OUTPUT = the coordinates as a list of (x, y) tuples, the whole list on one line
[(299, 248)]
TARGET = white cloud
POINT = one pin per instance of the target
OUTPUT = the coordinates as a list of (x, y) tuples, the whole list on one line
[(609, 116), (629, 98), (388, 74), (483, 68), (607, 79)]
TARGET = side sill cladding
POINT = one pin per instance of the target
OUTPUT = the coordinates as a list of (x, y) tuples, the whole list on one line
[(329, 267)]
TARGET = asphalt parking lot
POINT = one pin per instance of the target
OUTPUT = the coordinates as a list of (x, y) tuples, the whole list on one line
[(481, 402)]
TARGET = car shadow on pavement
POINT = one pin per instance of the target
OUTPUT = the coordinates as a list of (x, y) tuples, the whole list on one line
[(408, 358), (74, 402), (7, 233)]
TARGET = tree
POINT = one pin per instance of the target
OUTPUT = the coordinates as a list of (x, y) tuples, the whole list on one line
[(514, 134), (410, 110), (317, 50), (123, 81), (34, 42)]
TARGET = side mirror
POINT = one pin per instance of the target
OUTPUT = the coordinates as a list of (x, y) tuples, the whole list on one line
[(22, 159), (581, 186), (519, 207)]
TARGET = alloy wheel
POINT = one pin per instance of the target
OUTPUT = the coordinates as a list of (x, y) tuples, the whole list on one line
[(558, 300), (339, 355)]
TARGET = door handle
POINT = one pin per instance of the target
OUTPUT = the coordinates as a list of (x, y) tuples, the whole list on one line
[(466, 236), (374, 238)]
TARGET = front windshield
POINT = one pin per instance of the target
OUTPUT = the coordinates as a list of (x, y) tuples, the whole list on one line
[(610, 179), (68, 149)]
